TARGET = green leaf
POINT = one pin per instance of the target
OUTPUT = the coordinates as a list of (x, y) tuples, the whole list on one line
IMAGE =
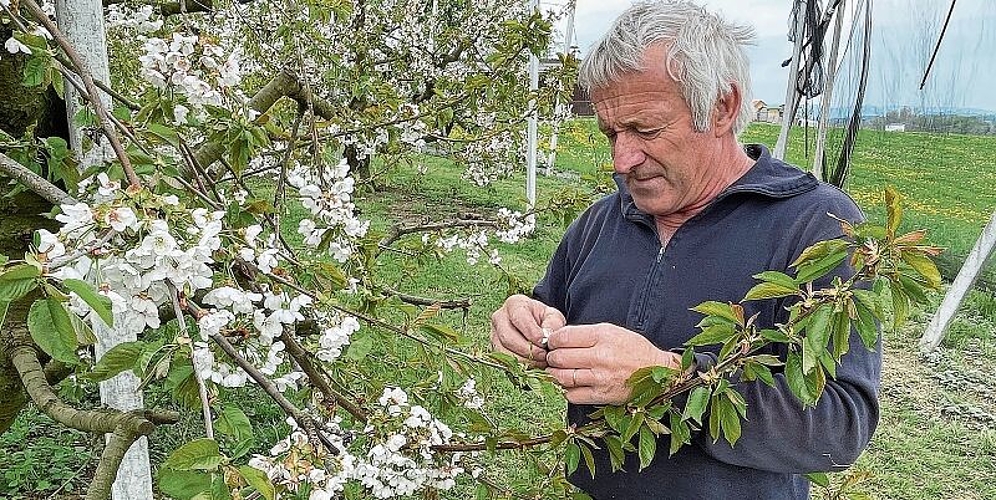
[(183, 485), (3, 312), (924, 266), (234, 423), (121, 357), (681, 434), (17, 281), (816, 252), (713, 334), (818, 269), (818, 478), (767, 290), (777, 278), (866, 326), (841, 334), (35, 70), (900, 304), (730, 421), (52, 330), (818, 329), (796, 380), (697, 402), (443, 333), (647, 448), (572, 457), (258, 480), (894, 209), (199, 454), (360, 345), (774, 336), (589, 460), (99, 303), (714, 308), (617, 457), (632, 426)]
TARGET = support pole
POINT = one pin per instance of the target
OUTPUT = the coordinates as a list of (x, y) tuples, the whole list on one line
[(82, 21), (821, 135), (970, 271), (568, 42), (532, 123), (791, 92)]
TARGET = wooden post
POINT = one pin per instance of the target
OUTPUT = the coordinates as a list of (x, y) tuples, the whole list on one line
[(970, 271), (821, 136), (532, 124), (791, 93), (568, 41), (82, 21)]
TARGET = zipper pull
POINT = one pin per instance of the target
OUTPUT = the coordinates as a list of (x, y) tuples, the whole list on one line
[(660, 255)]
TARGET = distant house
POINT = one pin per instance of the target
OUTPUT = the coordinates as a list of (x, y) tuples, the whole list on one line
[(581, 103), (765, 113), (895, 127)]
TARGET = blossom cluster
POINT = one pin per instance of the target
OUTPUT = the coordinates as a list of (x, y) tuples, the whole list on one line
[(187, 64), (329, 199), (515, 226), (138, 18), (395, 459), (143, 250), (474, 245)]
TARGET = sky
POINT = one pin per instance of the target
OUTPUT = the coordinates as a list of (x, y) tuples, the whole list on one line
[(905, 32)]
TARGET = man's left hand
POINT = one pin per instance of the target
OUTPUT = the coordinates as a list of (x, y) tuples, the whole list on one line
[(593, 362)]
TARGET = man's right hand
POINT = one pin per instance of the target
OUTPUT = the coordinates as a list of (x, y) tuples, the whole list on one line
[(517, 328)]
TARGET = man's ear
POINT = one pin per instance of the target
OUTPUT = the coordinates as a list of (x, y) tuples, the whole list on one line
[(724, 114)]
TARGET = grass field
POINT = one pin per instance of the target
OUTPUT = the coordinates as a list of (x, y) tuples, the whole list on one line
[(937, 437)]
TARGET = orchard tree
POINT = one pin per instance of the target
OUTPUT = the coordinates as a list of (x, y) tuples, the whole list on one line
[(225, 116)]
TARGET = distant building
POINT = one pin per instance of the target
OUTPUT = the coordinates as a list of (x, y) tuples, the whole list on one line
[(895, 127), (581, 103), (765, 113)]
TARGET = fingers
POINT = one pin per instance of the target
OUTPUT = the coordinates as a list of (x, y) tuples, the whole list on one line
[(566, 357), (571, 378), (579, 336), (553, 319), (516, 330), (506, 338)]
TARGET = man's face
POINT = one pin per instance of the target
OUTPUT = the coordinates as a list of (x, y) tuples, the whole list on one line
[(654, 144)]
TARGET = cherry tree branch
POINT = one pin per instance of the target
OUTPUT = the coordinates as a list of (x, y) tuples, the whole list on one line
[(41, 186)]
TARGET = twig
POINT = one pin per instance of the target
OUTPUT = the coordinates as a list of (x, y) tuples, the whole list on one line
[(426, 301), (280, 192), (201, 386), (389, 327), (41, 186), (397, 231), (94, 96), (300, 355)]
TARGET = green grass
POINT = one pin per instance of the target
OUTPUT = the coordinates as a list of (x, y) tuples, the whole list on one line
[(937, 438)]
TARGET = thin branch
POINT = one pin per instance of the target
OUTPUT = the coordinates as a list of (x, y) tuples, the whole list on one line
[(426, 301), (280, 192), (36, 183), (389, 327), (94, 96), (174, 297), (303, 359), (397, 231)]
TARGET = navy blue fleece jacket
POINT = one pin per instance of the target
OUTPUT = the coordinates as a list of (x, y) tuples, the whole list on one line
[(610, 268)]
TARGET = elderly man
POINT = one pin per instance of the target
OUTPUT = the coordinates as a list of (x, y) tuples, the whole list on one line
[(695, 216)]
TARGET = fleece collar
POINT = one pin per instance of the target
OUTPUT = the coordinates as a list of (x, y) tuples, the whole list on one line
[(768, 177)]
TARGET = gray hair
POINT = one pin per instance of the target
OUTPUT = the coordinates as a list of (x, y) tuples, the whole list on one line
[(705, 54)]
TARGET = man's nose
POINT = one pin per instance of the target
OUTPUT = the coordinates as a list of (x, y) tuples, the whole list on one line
[(627, 152)]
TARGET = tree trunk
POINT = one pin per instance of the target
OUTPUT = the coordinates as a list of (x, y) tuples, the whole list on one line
[(42, 114)]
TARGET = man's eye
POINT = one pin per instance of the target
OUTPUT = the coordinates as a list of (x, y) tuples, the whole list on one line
[(649, 132)]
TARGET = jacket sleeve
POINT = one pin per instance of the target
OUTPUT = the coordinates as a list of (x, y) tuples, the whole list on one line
[(779, 435)]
